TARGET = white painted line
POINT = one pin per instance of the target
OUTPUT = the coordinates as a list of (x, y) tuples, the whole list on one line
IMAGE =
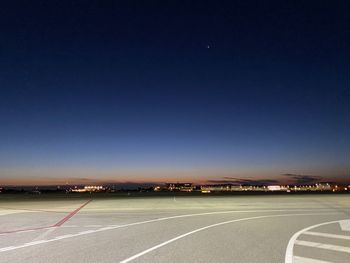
[(88, 226), (146, 222), (8, 212), (36, 242), (190, 215), (86, 232), (319, 234), (345, 225), (63, 237), (43, 235), (308, 260), (6, 248), (110, 227), (323, 246), (201, 229), (290, 246)]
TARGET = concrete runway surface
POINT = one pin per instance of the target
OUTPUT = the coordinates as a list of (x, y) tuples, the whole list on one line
[(307, 228)]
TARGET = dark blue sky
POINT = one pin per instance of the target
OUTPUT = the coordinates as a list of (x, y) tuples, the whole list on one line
[(184, 90)]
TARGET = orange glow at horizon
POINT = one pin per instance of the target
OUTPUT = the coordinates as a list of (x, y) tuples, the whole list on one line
[(62, 176)]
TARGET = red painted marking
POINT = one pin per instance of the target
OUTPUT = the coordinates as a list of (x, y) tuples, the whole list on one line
[(58, 224), (26, 229), (62, 221)]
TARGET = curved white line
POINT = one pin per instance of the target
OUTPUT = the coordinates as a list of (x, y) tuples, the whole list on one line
[(4, 249), (183, 216), (207, 227), (290, 246)]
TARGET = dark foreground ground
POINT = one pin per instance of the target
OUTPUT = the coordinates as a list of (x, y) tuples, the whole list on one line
[(128, 228)]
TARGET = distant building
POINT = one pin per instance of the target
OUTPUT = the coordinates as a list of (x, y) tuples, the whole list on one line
[(231, 188), (217, 188), (276, 188), (89, 188), (181, 187)]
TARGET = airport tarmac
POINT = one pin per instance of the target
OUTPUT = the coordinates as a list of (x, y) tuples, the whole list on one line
[(249, 229)]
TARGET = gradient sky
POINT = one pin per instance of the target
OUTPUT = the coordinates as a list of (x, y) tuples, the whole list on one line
[(154, 91)]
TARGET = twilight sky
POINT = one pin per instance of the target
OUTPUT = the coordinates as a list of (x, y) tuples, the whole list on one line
[(155, 91)]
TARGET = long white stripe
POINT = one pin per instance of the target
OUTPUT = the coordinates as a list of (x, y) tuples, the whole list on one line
[(197, 214), (308, 260), (4, 249), (201, 229), (323, 246), (290, 246), (319, 234)]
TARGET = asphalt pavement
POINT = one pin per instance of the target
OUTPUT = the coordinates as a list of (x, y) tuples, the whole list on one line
[(249, 229)]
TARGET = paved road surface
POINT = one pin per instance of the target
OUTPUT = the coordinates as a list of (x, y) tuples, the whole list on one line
[(311, 228)]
